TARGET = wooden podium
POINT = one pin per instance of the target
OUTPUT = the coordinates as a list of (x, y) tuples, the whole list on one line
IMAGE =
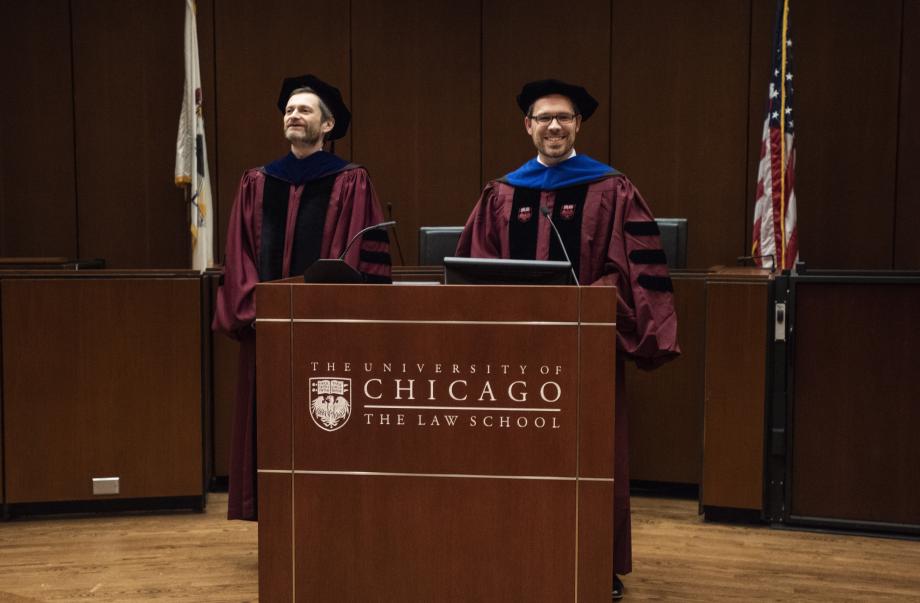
[(435, 443)]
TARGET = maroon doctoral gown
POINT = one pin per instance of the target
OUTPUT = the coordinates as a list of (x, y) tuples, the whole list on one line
[(277, 228), (612, 239)]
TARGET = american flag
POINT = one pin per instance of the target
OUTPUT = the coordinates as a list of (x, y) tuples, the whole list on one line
[(775, 232)]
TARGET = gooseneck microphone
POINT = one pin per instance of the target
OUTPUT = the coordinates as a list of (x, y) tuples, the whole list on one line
[(336, 270), (386, 224), (548, 215), (402, 260)]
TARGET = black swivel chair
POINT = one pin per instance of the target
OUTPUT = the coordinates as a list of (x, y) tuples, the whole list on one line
[(437, 242), (674, 240)]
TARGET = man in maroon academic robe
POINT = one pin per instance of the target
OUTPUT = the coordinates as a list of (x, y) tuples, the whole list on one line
[(287, 214), (611, 238)]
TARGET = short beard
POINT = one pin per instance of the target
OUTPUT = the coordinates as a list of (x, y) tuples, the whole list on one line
[(309, 137), (560, 153)]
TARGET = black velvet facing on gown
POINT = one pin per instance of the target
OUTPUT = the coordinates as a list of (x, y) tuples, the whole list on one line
[(311, 222), (274, 218), (522, 224), (308, 231), (567, 214)]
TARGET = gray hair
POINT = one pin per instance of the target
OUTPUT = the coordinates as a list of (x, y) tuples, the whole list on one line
[(324, 111)]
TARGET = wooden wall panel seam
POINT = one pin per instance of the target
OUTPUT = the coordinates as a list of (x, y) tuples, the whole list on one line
[(73, 109), (897, 145), (749, 186)]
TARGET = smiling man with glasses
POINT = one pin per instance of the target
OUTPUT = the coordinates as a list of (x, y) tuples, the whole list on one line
[(553, 127), (611, 238)]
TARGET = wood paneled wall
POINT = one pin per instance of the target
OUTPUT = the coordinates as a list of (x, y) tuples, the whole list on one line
[(256, 46), (416, 129), (848, 170), (127, 69), (90, 111), (852, 440), (680, 102), (907, 202), (38, 211)]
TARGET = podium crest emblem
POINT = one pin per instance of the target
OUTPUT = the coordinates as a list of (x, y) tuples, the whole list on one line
[(525, 214), (330, 402), (568, 211)]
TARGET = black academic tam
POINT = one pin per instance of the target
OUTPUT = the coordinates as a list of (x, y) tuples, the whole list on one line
[(330, 95), (532, 91)]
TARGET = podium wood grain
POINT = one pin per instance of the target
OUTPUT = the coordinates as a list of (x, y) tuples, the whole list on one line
[(485, 499)]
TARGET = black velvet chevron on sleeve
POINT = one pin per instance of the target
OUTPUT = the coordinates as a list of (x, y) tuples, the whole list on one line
[(379, 235), (648, 256), (375, 257), (642, 229), (655, 283)]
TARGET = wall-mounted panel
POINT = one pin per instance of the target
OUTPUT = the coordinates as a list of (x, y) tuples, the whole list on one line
[(737, 302), (537, 40), (847, 69), (257, 46), (853, 439), (417, 110), (907, 208), (679, 124), (37, 191), (763, 12), (105, 383), (128, 78)]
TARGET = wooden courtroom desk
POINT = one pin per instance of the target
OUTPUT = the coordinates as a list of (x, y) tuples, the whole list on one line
[(101, 379), (48, 263), (811, 420), (399, 459), (738, 304), (850, 455)]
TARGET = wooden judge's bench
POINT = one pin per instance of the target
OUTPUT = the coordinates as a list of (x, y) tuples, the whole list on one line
[(435, 443), (101, 390)]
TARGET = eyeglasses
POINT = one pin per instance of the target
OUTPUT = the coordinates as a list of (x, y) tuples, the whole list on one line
[(564, 119)]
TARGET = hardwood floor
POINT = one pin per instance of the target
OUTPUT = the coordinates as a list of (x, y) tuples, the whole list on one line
[(180, 556), (677, 557)]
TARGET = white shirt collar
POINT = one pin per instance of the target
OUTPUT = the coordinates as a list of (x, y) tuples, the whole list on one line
[(571, 154)]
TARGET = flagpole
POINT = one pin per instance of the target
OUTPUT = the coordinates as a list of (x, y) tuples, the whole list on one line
[(190, 225), (782, 138)]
